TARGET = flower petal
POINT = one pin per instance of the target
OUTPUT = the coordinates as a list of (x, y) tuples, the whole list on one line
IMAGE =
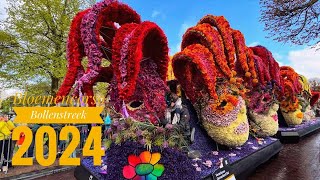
[(145, 157), (139, 178), (155, 158), (128, 172), (134, 160), (158, 170), (151, 177), (144, 169), (103, 172)]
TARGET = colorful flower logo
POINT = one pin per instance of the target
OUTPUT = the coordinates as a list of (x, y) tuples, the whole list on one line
[(144, 167)]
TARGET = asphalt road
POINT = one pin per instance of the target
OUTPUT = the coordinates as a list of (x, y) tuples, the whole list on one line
[(60, 176), (295, 162)]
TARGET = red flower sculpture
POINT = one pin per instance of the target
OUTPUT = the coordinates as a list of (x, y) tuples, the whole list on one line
[(198, 60), (225, 31), (86, 29), (206, 35), (132, 45), (75, 53), (140, 61), (290, 83), (269, 62)]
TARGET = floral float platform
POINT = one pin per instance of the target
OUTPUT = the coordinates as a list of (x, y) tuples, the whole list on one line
[(175, 163)]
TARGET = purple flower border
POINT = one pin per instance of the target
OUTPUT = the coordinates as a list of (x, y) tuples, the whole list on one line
[(176, 163), (303, 125)]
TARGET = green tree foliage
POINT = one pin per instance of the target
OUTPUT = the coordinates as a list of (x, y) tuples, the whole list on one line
[(33, 41), (6, 105), (38, 89)]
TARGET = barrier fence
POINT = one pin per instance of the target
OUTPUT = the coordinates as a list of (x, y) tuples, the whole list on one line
[(9, 147)]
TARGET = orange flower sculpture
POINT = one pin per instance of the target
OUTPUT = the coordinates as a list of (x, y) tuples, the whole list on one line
[(206, 70), (289, 102)]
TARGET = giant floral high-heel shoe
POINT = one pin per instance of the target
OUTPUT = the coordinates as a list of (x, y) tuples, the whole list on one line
[(289, 106), (262, 99), (305, 99), (140, 61), (91, 35), (205, 69)]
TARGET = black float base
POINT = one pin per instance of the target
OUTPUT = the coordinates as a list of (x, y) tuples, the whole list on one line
[(82, 173), (247, 165), (294, 136)]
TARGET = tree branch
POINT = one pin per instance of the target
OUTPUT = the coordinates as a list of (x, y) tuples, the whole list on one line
[(303, 6), (303, 25)]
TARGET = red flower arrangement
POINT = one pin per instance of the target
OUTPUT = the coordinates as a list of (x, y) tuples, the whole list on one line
[(75, 54), (261, 69), (215, 95), (114, 12), (119, 56), (207, 36), (270, 63), (100, 21), (251, 65), (240, 51), (224, 45), (289, 74), (85, 32), (315, 98), (144, 41), (290, 80), (291, 88), (215, 34), (225, 31), (201, 59), (140, 61), (245, 62)]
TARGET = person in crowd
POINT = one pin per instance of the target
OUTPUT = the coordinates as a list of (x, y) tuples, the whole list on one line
[(6, 128), (317, 109), (34, 128), (61, 143), (30, 153), (177, 116)]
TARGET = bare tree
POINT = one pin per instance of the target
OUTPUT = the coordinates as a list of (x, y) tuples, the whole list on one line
[(293, 21)]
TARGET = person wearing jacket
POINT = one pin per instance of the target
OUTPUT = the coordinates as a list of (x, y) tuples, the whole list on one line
[(6, 128), (177, 116)]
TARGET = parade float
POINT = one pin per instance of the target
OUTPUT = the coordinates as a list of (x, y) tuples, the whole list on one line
[(214, 68), (262, 98), (228, 89), (305, 99), (290, 107), (294, 106)]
